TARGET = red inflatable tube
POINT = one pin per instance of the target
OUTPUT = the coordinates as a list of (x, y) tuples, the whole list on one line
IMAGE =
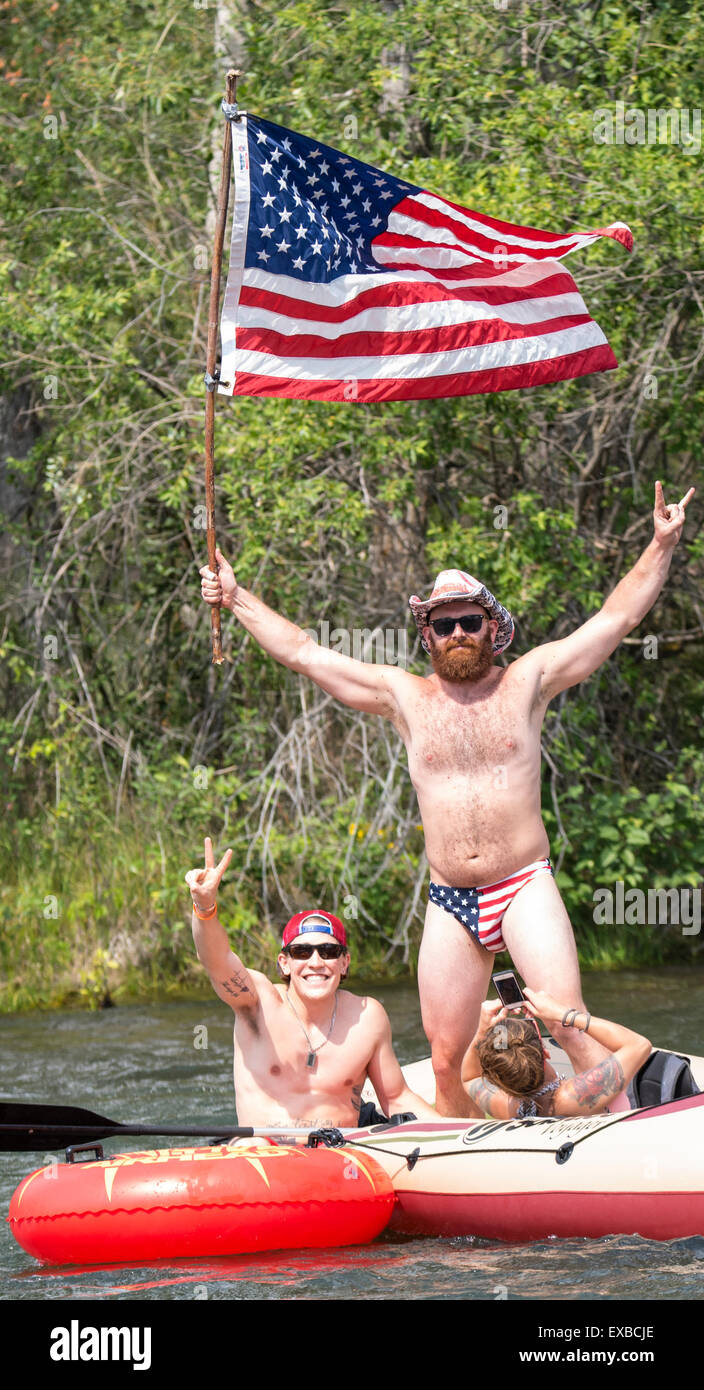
[(212, 1201)]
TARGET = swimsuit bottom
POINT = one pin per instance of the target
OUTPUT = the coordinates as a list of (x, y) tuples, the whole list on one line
[(481, 910)]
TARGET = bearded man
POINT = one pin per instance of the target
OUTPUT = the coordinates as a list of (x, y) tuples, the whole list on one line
[(472, 734)]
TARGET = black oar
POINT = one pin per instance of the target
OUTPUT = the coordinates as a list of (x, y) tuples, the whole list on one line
[(29, 1128)]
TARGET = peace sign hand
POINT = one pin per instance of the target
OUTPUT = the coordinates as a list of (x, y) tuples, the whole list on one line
[(204, 883), (669, 519)]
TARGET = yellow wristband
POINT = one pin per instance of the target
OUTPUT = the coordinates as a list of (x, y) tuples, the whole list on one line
[(205, 916)]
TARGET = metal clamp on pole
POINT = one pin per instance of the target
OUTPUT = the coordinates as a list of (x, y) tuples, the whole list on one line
[(212, 382), (231, 111)]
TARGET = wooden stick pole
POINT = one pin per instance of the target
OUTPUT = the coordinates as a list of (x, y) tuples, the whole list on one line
[(211, 359)]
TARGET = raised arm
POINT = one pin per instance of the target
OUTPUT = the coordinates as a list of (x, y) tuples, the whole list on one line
[(364, 685), (229, 977), (386, 1076), (591, 1091), (572, 659)]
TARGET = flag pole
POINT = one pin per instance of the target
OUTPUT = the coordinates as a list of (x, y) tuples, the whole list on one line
[(211, 377)]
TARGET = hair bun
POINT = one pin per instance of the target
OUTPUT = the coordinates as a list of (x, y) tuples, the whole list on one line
[(511, 1056)]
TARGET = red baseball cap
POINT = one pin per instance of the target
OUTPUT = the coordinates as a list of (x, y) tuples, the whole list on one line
[(324, 922)]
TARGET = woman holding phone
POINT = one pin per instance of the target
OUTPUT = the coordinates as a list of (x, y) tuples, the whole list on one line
[(506, 1070)]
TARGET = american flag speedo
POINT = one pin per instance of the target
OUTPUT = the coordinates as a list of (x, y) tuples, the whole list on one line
[(348, 284)]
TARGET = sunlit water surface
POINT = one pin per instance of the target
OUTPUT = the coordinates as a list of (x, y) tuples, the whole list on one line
[(140, 1063)]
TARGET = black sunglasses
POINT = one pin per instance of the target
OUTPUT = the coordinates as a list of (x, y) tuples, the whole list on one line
[(470, 622), (328, 951)]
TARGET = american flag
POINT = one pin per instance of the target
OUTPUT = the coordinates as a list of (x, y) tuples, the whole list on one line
[(346, 283)]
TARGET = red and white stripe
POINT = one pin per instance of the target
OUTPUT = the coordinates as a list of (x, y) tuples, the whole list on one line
[(448, 235), (495, 898)]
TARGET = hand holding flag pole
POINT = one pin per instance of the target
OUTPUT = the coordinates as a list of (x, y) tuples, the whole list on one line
[(211, 358)]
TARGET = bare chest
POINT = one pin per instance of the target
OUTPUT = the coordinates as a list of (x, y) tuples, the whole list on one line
[(284, 1051), (477, 736)]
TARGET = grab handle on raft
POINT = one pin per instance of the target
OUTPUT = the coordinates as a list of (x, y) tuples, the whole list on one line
[(73, 1149)]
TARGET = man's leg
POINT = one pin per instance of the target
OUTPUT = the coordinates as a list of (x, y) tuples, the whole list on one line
[(453, 976), (539, 936)]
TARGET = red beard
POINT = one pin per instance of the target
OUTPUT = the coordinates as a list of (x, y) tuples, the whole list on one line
[(462, 660)]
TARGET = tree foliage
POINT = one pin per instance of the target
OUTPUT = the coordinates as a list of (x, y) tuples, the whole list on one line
[(121, 746)]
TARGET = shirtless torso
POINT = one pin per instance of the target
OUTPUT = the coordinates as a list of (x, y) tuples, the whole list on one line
[(474, 760), (273, 1086)]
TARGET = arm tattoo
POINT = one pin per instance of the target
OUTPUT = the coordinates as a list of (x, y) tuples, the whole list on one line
[(235, 985), (598, 1085), (482, 1093)]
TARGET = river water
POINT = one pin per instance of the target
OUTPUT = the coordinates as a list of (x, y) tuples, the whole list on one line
[(142, 1063)]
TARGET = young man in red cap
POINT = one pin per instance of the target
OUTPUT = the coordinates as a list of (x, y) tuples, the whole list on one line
[(472, 732), (303, 1048)]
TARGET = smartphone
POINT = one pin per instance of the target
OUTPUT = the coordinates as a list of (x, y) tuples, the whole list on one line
[(508, 988)]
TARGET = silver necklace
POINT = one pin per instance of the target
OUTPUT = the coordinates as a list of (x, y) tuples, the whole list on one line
[(311, 1059)]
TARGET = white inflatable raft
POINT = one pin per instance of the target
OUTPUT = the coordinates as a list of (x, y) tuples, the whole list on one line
[(637, 1172)]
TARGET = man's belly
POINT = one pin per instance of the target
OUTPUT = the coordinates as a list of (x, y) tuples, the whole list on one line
[(480, 833), (293, 1112), (258, 1115)]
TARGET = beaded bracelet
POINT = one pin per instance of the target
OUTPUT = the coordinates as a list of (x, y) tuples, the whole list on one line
[(205, 916)]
